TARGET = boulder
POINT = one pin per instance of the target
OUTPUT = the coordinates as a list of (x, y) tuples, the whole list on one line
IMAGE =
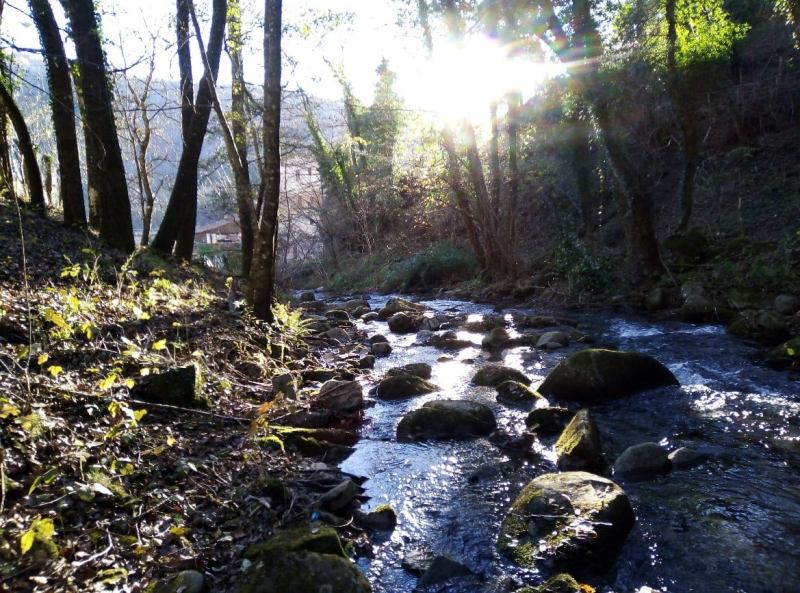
[(307, 296), (552, 340), (449, 340), (341, 497), (321, 540), (340, 396), (442, 569), (561, 583), (574, 519), (492, 375), (762, 326), (787, 304), (355, 304), (686, 458), (337, 315), (403, 323), (514, 393), (359, 312), (447, 419), (285, 383), (642, 461), (383, 518), (418, 369), (397, 305), (177, 386), (337, 334), (380, 349), (403, 385), (378, 338), (596, 376), (330, 443), (578, 446), (303, 572), (785, 356), (319, 374), (697, 308), (433, 323), (366, 362), (186, 581), (496, 339), (371, 316), (548, 420), (317, 306), (656, 299)]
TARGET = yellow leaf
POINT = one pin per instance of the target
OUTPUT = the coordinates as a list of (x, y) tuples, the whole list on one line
[(129, 383), (45, 528), (160, 345), (43, 358), (790, 351), (56, 319), (26, 541), (108, 382), (171, 441), (55, 370), (8, 410), (587, 588)]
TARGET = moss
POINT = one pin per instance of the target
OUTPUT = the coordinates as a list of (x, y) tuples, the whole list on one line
[(561, 583), (762, 326), (304, 572), (323, 541), (492, 375), (397, 386), (515, 393), (447, 419)]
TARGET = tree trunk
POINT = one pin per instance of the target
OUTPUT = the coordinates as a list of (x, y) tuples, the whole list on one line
[(494, 162), (239, 129), (262, 273), (63, 113), (512, 130), (180, 218), (32, 174), (106, 171), (580, 157), (184, 37)]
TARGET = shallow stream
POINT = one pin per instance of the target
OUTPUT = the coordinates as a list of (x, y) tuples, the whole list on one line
[(729, 525)]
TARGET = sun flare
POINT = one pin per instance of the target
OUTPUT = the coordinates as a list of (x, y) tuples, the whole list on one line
[(463, 80)]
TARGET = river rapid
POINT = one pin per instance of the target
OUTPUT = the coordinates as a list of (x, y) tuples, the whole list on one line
[(729, 525)]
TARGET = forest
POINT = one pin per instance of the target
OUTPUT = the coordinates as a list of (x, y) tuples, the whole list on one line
[(453, 296)]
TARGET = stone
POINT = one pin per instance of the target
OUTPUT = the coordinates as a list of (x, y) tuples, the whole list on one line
[(337, 315), (337, 334), (697, 308), (552, 340), (540, 321), (492, 375), (383, 518), (285, 383), (377, 339), (434, 322), (318, 374), (317, 306), (424, 337), (12, 333), (396, 305), (514, 393), (304, 572), (787, 304), (449, 340), (496, 339), (447, 419), (371, 316), (366, 362), (308, 418), (307, 296), (178, 386), (785, 356), (418, 369), (359, 312), (442, 569), (403, 323), (686, 458), (692, 288), (573, 519), (403, 385), (548, 420), (578, 447), (597, 376), (320, 539), (761, 326), (380, 349), (416, 560), (561, 583), (330, 443), (186, 581), (655, 299), (355, 304), (642, 461), (340, 396), (340, 497)]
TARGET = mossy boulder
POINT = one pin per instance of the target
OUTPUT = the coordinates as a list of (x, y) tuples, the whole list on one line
[(304, 572), (322, 540), (573, 519), (380, 349), (397, 305), (492, 375), (185, 581), (447, 419), (178, 386), (514, 393), (561, 583), (319, 374), (496, 339), (548, 420), (331, 443), (383, 518), (785, 356), (403, 323), (596, 376), (403, 385), (642, 461), (578, 447), (762, 326), (340, 396), (418, 369)]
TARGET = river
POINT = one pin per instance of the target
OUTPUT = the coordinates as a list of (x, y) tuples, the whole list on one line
[(729, 525)]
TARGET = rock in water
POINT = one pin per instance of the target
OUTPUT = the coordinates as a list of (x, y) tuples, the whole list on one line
[(762, 326), (561, 583), (399, 386), (442, 569), (596, 376), (578, 447), (340, 396), (176, 387), (549, 420), (396, 305), (496, 339), (785, 356), (403, 323), (514, 393), (383, 518), (686, 458), (304, 572), (642, 461), (380, 349), (492, 375), (418, 369), (573, 519), (447, 419)]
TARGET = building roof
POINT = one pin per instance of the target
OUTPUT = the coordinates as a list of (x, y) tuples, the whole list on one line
[(220, 226)]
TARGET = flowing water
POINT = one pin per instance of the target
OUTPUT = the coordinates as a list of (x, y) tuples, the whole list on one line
[(729, 525)]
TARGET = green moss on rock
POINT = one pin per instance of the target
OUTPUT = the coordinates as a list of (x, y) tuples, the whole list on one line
[(447, 419), (304, 572), (322, 541), (402, 385), (785, 356), (514, 393), (763, 326), (492, 375), (596, 376), (578, 447)]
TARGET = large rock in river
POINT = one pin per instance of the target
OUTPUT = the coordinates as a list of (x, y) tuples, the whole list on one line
[(403, 385), (492, 375), (642, 461), (396, 305), (447, 419), (514, 393), (340, 396), (578, 447), (763, 326), (596, 376), (403, 323), (573, 519)]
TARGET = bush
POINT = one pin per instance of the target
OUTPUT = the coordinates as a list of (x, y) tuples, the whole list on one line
[(441, 265), (582, 271)]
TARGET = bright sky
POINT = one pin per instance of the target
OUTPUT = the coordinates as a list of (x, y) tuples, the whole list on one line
[(456, 82)]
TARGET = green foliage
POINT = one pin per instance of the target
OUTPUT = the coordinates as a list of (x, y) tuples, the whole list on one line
[(442, 264), (582, 271)]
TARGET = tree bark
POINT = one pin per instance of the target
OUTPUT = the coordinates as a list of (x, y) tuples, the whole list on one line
[(262, 274), (106, 171), (63, 113), (6, 171), (241, 169), (512, 130), (180, 218), (32, 173)]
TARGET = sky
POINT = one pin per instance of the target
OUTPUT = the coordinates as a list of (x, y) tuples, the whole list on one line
[(457, 81)]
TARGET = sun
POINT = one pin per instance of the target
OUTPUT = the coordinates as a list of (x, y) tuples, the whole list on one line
[(461, 81)]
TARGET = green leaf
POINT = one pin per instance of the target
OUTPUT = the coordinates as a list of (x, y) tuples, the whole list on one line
[(55, 370), (160, 345), (26, 541)]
